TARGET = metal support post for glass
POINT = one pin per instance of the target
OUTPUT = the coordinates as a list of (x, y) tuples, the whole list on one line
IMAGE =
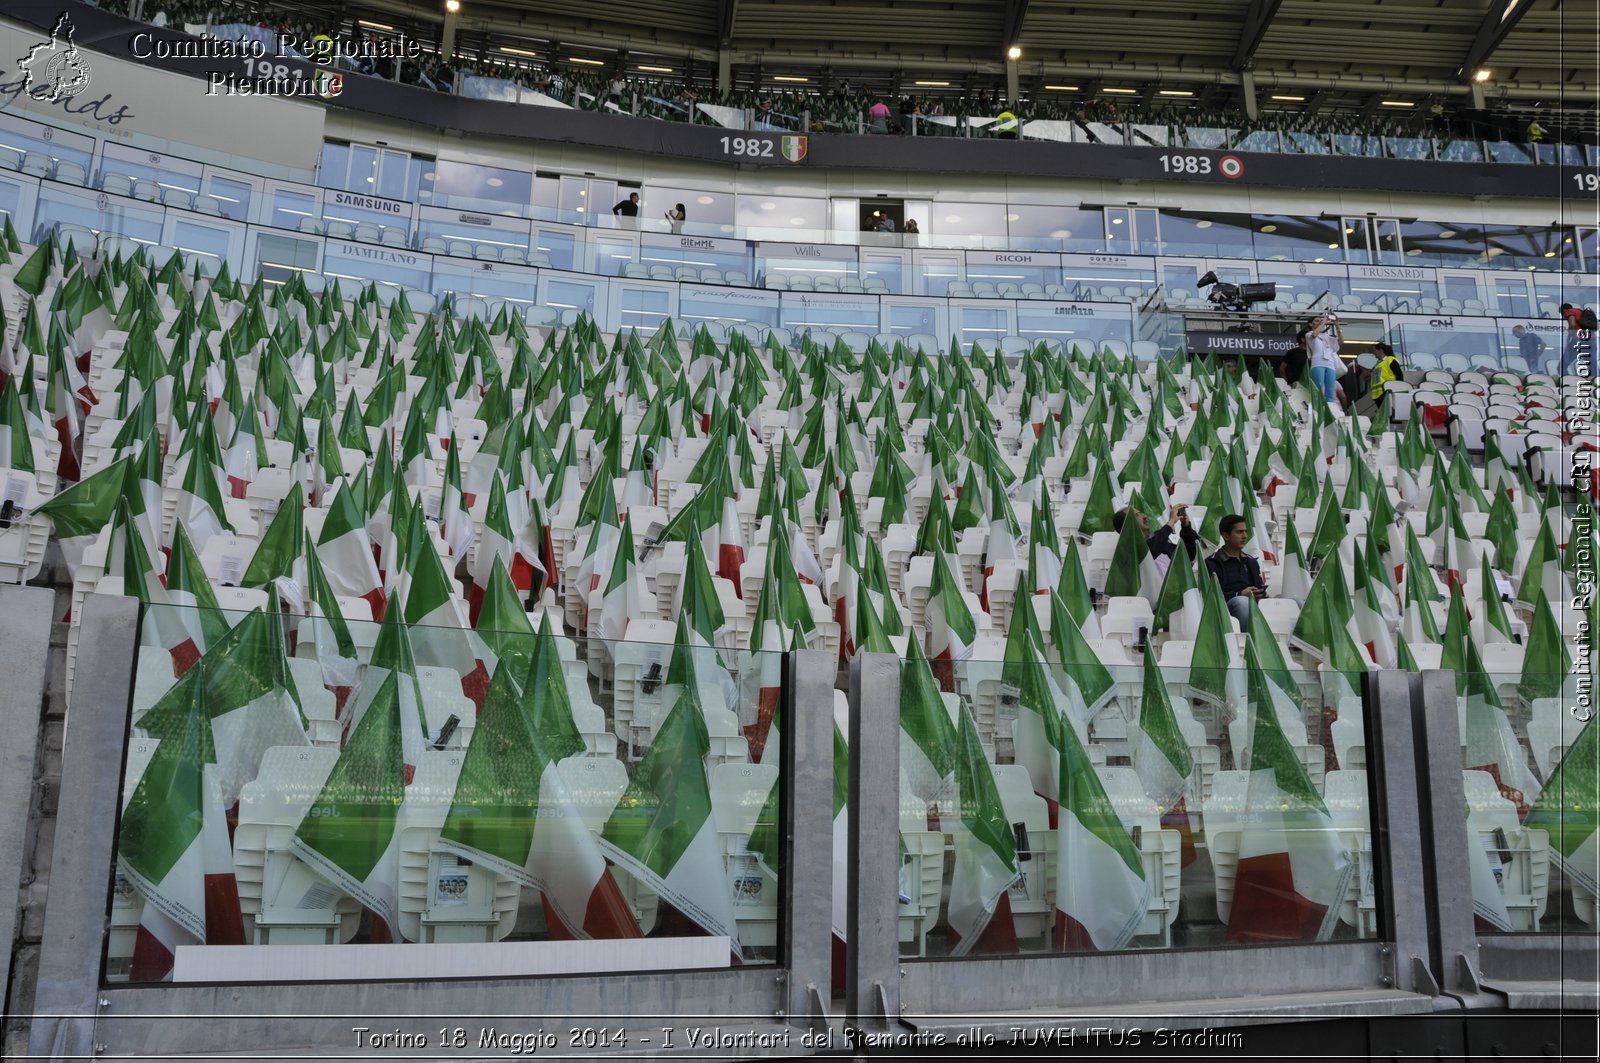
[(64, 1004), (807, 853), (1438, 736), (25, 616), (872, 966), (1398, 831)]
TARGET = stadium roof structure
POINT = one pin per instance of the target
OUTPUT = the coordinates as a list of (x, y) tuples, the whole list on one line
[(1326, 51)]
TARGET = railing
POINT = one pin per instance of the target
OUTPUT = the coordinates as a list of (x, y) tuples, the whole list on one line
[(1267, 863)]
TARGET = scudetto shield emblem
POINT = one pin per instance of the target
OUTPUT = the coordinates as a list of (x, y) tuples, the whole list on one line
[(793, 147)]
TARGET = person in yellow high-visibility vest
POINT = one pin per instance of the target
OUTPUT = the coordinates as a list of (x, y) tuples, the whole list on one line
[(1005, 125), (1387, 369), (1384, 371)]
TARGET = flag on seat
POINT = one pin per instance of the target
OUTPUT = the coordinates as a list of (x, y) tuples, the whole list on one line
[(1157, 747), (949, 621), (193, 604), (1546, 664), (346, 552), (79, 513), (985, 853), (349, 834), (173, 846), (1101, 891), (1569, 809), (663, 832), (1292, 870), (533, 836)]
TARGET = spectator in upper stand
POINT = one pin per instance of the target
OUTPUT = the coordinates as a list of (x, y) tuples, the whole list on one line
[(908, 114), (676, 217), (878, 117), (911, 227), (1292, 366), (1326, 338), (628, 208), (1238, 572), (886, 224), (1160, 544), (1531, 347), (763, 113)]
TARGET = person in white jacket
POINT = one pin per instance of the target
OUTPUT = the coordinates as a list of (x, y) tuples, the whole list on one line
[(1326, 338)]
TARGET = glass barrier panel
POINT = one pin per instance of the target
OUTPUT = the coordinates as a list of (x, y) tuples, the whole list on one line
[(1365, 145), (1215, 138), (1110, 788), (1529, 757), (296, 777)]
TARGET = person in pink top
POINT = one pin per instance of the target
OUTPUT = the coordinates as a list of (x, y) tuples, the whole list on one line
[(878, 117)]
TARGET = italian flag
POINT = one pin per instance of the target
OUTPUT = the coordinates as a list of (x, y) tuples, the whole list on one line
[(455, 523), (349, 835), (1371, 626), (174, 846), (534, 838), (1546, 664), (1074, 592), (1086, 682), (392, 655), (730, 538), (503, 627), (194, 604), (324, 630), (1293, 871), (663, 832), (277, 559), (1569, 808), (1133, 572), (241, 460), (1036, 732), (979, 909), (1542, 573), (346, 552), (1101, 892), (1003, 532), (16, 440), (250, 698), (80, 513), (500, 542), (927, 731), (200, 507), (620, 602), (66, 415), (1181, 604), (1489, 743), (1158, 749), (1214, 667), (440, 634), (1496, 625), (1417, 622), (950, 625)]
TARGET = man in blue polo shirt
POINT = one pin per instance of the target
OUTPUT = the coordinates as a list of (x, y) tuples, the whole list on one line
[(1238, 572)]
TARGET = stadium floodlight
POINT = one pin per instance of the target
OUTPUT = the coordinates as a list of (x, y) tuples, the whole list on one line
[(452, 6), (1236, 297), (1014, 52)]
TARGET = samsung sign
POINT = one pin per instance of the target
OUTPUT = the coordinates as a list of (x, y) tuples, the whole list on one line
[(377, 203)]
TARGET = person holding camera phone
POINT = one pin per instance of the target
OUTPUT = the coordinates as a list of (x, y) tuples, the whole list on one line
[(1160, 544), (1326, 338), (1238, 572), (675, 218)]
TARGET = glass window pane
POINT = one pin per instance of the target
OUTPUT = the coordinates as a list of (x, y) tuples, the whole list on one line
[(470, 186), (333, 169), (232, 197)]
